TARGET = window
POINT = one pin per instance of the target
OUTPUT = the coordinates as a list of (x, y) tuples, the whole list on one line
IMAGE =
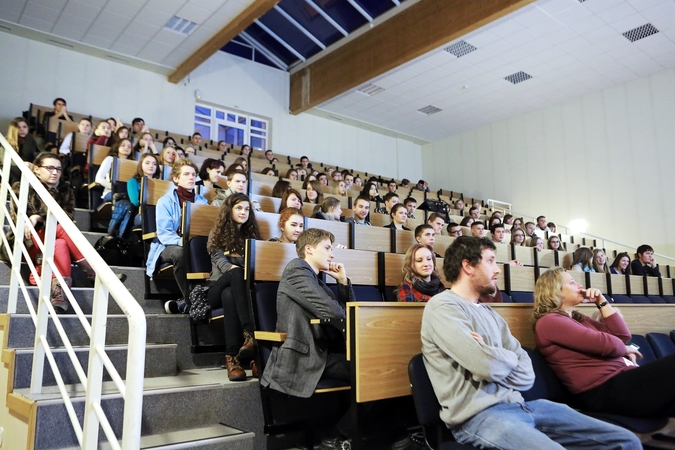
[(233, 127)]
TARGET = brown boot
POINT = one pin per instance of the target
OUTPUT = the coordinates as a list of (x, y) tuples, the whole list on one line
[(234, 370), (59, 300), (254, 369), (247, 351)]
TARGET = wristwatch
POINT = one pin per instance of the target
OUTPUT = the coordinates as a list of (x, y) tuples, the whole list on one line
[(603, 304)]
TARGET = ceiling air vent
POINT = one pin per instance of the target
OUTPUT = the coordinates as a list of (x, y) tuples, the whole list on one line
[(640, 32), (370, 89), (518, 77), (429, 110), (180, 26), (460, 48)]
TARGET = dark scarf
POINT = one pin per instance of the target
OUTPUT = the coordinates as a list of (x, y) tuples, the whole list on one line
[(431, 287), (185, 196)]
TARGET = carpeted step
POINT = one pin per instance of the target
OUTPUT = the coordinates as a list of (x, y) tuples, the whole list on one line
[(170, 404), (160, 360)]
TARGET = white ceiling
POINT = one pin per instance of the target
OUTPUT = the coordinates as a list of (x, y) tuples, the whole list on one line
[(569, 47), (132, 28)]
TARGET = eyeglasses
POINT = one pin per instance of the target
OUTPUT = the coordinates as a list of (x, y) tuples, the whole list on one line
[(52, 169), (555, 242), (456, 232)]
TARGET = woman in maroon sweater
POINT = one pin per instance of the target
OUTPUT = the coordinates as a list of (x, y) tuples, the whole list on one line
[(591, 357)]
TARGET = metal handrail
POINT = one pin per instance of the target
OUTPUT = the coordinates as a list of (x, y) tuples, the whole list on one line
[(107, 283)]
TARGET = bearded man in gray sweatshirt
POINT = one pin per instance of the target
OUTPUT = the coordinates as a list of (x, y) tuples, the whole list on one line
[(477, 368)]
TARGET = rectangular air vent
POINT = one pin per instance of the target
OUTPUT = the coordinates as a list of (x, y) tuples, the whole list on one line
[(429, 110), (370, 89), (460, 48), (65, 44), (518, 77), (640, 32), (117, 58), (181, 26)]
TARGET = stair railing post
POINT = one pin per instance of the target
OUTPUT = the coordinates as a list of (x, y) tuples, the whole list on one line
[(99, 318), (43, 299), (18, 242)]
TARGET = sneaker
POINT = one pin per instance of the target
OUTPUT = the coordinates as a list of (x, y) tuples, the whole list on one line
[(171, 307), (407, 444), (335, 444), (122, 277)]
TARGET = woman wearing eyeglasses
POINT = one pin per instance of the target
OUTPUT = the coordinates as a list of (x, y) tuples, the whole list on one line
[(47, 168), (518, 237), (555, 244)]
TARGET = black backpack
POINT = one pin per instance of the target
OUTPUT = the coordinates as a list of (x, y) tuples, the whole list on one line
[(115, 251)]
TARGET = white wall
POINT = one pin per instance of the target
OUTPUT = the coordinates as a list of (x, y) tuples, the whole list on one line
[(606, 157), (37, 72)]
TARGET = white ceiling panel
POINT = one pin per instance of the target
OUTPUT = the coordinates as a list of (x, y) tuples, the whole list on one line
[(125, 8), (86, 12), (36, 24)]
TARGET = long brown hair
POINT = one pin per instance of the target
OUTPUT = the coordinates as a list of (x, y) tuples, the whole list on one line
[(409, 274), (139, 167), (226, 235)]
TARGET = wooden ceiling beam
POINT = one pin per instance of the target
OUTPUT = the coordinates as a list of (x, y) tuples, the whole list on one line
[(232, 30), (419, 29)]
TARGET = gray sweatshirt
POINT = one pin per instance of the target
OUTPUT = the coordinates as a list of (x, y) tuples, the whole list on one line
[(468, 376)]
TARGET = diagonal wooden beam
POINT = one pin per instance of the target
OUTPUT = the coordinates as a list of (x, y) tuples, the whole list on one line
[(419, 29), (239, 24)]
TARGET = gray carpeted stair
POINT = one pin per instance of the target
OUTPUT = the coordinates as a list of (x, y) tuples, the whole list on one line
[(188, 401), (191, 400)]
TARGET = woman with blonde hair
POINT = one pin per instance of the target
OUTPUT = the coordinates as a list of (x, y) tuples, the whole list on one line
[(600, 261), (420, 275), (537, 243), (243, 162), (168, 156), (591, 357)]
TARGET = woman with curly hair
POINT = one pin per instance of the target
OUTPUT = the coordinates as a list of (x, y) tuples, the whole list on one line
[(420, 275), (226, 245)]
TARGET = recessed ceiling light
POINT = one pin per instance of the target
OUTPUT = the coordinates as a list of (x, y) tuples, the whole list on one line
[(518, 77), (429, 110), (640, 32), (370, 89), (460, 48), (180, 26)]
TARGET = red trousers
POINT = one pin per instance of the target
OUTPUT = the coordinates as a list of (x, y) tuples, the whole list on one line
[(65, 252)]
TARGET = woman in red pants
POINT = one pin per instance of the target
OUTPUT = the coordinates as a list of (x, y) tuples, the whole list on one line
[(47, 168)]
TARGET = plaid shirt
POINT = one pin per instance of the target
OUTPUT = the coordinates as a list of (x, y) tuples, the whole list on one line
[(407, 293)]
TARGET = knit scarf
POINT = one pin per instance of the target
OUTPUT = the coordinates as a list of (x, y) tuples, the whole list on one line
[(184, 195), (431, 287)]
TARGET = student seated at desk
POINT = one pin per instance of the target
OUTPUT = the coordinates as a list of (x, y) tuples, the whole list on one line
[(399, 216), (582, 260), (361, 211), (310, 352), (420, 276), (591, 357), (425, 235), (477, 368), (621, 264), (330, 210), (227, 240), (644, 263), (166, 247), (291, 224)]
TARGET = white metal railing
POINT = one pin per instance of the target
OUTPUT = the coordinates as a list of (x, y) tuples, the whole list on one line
[(601, 242), (106, 283)]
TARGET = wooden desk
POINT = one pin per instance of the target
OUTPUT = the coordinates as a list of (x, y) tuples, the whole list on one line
[(382, 337)]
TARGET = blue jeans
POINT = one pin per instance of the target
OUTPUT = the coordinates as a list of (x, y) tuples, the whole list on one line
[(541, 424)]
